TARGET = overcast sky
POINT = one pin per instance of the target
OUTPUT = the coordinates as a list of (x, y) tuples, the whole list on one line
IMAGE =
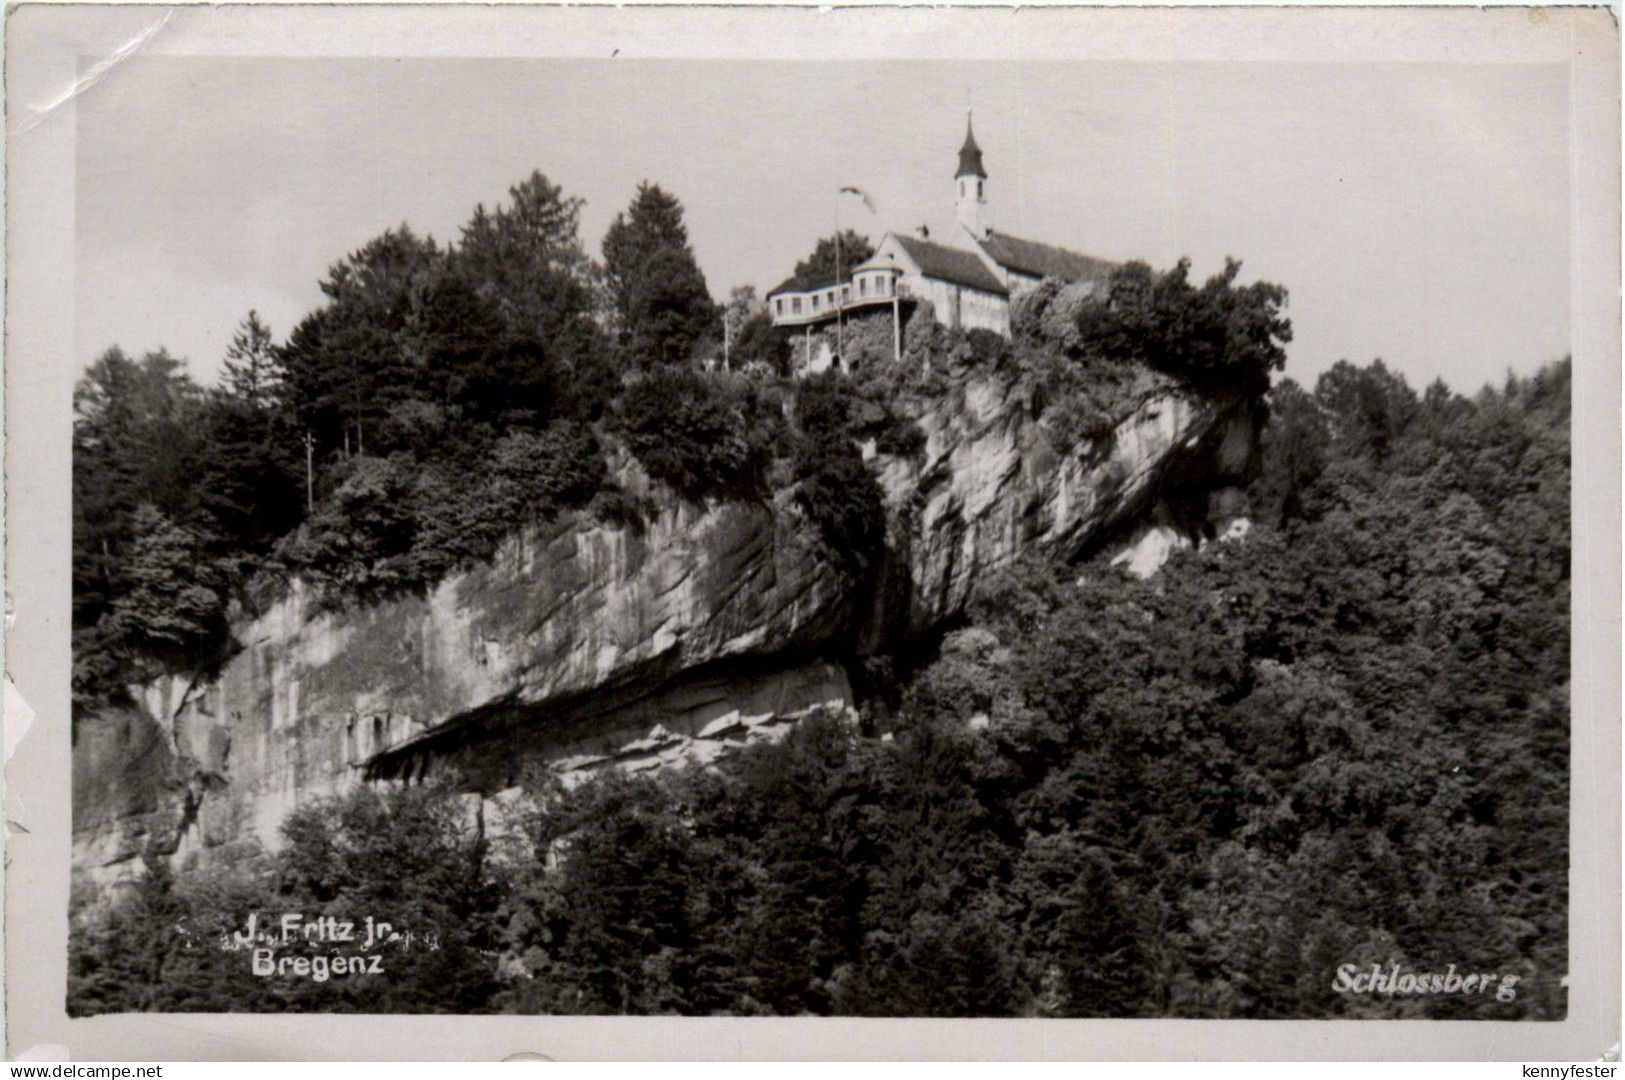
[(1417, 212)]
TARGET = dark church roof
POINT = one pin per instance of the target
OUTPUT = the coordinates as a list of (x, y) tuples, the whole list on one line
[(1043, 260), (970, 156), (951, 264)]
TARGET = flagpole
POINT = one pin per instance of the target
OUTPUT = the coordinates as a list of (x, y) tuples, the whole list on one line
[(840, 286), (840, 295), (896, 326)]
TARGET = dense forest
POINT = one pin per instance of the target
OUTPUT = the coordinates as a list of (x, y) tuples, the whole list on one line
[(440, 396), (1340, 740)]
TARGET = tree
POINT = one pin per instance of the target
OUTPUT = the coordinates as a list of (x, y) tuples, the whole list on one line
[(357, 544), (1368, 408), (699, 433), (349, 361), (819, 268), (660, 299), (251, 471), (117, 963), (474, 363), (843, 499), (135, 442), (611, 929), (414, 857), (753, 340), (250, 372), (1081, 930), (174, 608), (1296, 446), (526, 262), (1222, 335)]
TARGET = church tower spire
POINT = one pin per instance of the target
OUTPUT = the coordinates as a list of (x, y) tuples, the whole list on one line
[(972, 182)]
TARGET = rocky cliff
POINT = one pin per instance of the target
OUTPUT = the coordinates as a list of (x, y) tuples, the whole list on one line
[(583, 645)]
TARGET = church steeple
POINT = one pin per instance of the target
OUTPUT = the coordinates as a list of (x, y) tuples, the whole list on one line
[(970, 155), (972, 181)]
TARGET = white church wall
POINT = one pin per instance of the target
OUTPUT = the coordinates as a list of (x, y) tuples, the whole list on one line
[(957, 306), (984, 311)]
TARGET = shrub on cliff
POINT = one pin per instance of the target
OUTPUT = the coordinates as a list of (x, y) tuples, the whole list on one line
[(1219, 336), (1047, 314), (856, 407), (836, 489), (400, 524), (536, 474), (901, 437), (842, 497), (174, 609), (702, 435), (357, 542), (527, 476), (826, 404)]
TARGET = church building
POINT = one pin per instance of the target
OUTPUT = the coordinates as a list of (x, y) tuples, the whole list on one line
[(969, 281)]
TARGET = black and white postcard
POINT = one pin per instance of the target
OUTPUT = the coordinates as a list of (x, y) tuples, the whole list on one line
[(688, 515)]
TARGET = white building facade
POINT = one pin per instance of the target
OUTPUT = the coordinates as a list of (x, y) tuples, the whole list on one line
[(968, 287)]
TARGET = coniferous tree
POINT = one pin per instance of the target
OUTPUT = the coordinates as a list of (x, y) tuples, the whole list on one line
[(526, 264), (347, 363), (664, 311), (250, 372), (135, 443), (252, 482)]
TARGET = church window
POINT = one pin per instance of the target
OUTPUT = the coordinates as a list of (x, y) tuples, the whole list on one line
[(978, 189), (863, 286)]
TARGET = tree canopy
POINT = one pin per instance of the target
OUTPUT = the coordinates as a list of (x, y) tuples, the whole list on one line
[(1340, 740), (664, 310), (1221, 334), (819, 268)]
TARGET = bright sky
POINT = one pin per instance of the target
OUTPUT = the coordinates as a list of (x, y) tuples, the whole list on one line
[(1418, 212)]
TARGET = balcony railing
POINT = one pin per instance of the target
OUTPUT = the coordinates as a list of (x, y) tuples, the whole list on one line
[(816, 305)]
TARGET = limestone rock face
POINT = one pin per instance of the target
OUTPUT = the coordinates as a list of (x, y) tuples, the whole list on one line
[(583, 645), (996, 482)]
